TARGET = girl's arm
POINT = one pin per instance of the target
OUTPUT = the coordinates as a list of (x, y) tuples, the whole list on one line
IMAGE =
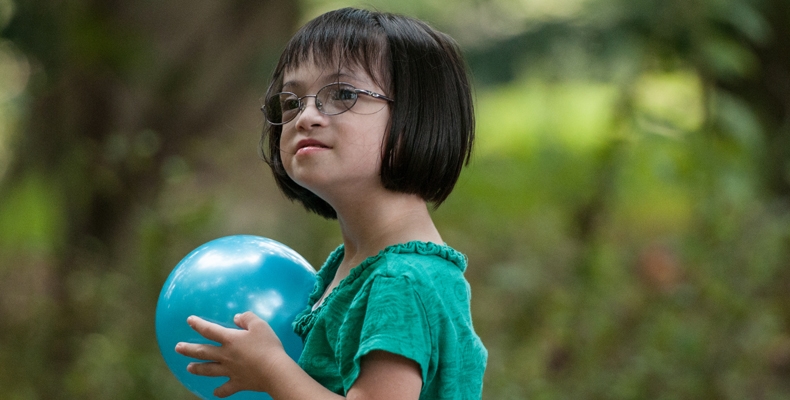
[(254, 359), (386, 376)]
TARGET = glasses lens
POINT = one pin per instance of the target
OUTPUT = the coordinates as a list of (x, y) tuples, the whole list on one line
[(281, 107), (336, 98)]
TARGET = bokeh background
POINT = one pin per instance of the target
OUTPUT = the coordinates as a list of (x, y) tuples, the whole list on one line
[(626, 214)]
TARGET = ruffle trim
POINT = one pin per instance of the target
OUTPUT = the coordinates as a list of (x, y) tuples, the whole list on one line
[(306, 319)]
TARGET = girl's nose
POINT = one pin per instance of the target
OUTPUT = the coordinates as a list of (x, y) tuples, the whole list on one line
[(310, 116)]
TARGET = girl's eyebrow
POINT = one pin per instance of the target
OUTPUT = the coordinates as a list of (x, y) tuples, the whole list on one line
[(288, 84), (293, 83), (339, 75)]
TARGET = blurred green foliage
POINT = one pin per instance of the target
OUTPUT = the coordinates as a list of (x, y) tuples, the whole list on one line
[(626, 214)]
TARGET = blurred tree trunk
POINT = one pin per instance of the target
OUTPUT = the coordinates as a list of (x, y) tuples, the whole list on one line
[(119, 92), (768, 90)]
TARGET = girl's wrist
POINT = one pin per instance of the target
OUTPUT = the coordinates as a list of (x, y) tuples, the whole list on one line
[(275, 370)]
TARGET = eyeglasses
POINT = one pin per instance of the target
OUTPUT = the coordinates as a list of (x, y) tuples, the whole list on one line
[(332, 99)]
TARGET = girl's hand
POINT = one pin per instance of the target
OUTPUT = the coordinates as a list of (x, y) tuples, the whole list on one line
[(247, 356)]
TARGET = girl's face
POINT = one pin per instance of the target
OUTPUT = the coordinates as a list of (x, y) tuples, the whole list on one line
[(334, 155)]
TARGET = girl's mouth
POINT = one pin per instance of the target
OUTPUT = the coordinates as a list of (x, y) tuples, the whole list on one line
[(309, 145)]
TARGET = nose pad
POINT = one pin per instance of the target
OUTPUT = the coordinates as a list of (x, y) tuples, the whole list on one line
[(309, 117), (316, 103)]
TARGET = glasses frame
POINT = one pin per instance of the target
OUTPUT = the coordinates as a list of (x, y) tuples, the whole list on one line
[(318, 105)]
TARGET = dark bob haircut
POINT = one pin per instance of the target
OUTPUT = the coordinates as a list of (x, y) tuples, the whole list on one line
[(431, 128)]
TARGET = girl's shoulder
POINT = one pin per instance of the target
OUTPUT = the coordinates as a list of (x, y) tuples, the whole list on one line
[(417, 258), (399, 256), (428, 268), (423, 265)]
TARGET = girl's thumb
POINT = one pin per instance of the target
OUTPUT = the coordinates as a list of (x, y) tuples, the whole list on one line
[(243, 320)]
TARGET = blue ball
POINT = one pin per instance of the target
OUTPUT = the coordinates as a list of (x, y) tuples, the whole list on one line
[(225, 277)]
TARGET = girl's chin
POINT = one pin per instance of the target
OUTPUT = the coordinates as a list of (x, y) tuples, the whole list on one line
[(310, 183)]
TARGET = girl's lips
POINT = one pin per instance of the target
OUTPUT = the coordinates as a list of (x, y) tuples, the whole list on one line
[(305, 145)]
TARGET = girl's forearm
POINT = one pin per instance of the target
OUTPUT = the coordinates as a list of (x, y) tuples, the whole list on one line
[(291, 382), (383, 376)]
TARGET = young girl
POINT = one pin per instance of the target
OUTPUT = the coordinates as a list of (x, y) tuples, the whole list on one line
[(369, 119)]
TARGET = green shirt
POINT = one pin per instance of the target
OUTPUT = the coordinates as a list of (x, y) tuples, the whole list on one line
[(412, 300)]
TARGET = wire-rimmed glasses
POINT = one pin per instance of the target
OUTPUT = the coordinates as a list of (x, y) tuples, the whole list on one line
[(332, 99)]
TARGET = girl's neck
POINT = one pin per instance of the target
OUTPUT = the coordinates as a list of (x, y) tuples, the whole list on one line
[(371, 224)]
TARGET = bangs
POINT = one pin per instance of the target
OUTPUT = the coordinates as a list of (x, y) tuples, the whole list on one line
[(344, 38)]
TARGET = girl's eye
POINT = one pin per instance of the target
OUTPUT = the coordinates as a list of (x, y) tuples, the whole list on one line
[(290, 104), (343, 94)]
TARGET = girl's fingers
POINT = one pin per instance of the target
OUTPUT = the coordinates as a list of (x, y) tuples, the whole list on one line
[(199, 351), (207, 369), (227, 389), (244, 321), (208, 330)]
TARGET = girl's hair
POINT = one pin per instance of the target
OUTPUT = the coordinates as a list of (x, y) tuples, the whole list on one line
[(431, 126)]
